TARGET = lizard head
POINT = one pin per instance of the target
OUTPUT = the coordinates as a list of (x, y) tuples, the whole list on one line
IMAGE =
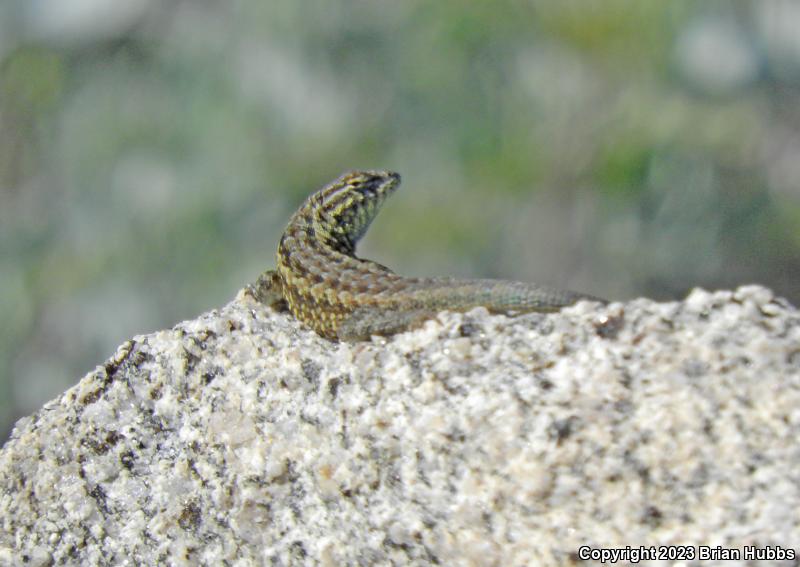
[(344, 209)]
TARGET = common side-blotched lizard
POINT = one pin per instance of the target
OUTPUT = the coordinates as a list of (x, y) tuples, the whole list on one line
[(324, 285)]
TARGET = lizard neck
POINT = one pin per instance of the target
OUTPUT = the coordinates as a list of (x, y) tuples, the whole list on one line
[(332, 221)]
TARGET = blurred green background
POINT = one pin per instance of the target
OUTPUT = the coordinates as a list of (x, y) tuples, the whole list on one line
[(151, 152)]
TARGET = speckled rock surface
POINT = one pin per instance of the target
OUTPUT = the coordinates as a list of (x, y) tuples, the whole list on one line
[(240, 438)]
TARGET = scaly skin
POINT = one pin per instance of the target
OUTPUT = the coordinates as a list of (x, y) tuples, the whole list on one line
[(324, 285)]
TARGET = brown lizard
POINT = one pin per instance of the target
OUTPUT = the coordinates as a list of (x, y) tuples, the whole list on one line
[(326, 286)]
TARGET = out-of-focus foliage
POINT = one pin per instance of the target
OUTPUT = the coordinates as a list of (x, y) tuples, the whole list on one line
[(151, 152)]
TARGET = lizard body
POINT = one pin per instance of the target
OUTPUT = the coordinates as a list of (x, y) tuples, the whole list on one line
[(326, 286)]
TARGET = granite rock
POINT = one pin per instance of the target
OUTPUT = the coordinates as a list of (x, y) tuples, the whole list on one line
[(241, 438)]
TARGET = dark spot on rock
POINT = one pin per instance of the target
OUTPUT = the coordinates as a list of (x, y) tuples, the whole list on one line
[(652, 516), (100, 497), (112, 438), (297, 550), (623, 406), (609, 327), (468, 329), (96, 446), (562, 429), (92, 396), (127, 459), (333, 386), (191, 360), (139, 357), (311, 370), (190, 516)]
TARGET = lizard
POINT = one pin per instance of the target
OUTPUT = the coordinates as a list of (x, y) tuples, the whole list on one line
[(322, 282)]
